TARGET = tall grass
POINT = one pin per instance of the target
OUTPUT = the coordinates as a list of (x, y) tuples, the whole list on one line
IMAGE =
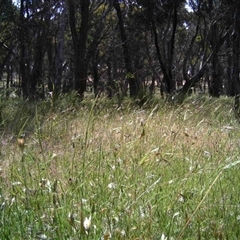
[(92, 170)]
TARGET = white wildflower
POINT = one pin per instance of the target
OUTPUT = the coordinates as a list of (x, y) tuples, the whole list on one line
[(155, 150), (87, 224), (111, 185), (54, 156), (170, 182), (12, 201), (142, 212), (175, 214), (42, 236), (123, 233), (16, 183), (181, 199), (163, 237)]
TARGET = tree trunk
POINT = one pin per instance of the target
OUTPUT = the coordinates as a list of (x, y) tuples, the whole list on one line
[(109, 78), (229, 81), (165, 64), (236, 62), (6, 58), (95, 74), (36, 75), (79, 38), (171, 83), (132, 81), (59, 52), (24, 62), (51, 66), (216, 81)]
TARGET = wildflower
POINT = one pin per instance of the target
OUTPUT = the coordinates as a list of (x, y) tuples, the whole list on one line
[(54, 156), (12, 201), (170, 182), (16, 183), (87, 224), (42, 236), (111, 185), (175, 214), (163, 237)]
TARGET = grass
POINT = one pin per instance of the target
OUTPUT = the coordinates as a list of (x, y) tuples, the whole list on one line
[(91, 170)]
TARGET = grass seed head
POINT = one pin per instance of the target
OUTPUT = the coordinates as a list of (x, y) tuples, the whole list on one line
[(21, 142)]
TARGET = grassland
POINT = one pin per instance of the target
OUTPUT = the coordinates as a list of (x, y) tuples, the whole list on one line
[(92, 170)]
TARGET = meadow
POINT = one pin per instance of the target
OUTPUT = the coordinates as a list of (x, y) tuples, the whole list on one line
[(94, 170)]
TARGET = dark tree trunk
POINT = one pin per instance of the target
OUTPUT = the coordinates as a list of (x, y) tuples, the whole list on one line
[(189, 52), (131, 78), (110, 79), (171, 83), (216, 81), (151, 66), (166, 64), (59, 53), (95, 74), (229, 82), (36, 76), (51, 66), (6, 58), (236, 62), (9, 77), (79, 37), (24, 40)]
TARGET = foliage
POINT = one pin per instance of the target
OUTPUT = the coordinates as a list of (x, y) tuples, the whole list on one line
[(61, 46)]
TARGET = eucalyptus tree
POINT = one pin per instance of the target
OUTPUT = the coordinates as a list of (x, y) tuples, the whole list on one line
[(216, 13), (57, 64), (209, 34), (163, 19), (8, 39), (235, 37), (132, 80), (85, 36), (34, 33), (79, 30), (112, 71), (99, 35)]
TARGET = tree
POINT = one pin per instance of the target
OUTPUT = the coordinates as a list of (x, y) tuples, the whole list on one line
[(34, 29), (8, 42), (236, 51), (59, 58), (210, 38), (163, 19), (79, 39), (131, 78)]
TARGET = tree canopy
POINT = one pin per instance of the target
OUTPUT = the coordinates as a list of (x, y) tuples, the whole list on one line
[(119, 47)]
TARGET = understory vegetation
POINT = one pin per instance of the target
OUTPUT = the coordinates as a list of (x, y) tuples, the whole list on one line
[(94, 170)]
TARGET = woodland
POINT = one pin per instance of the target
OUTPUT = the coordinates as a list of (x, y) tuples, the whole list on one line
[(120, 47), (119, 119)]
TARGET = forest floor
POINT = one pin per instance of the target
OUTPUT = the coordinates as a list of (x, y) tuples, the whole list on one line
[(93, 170)]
